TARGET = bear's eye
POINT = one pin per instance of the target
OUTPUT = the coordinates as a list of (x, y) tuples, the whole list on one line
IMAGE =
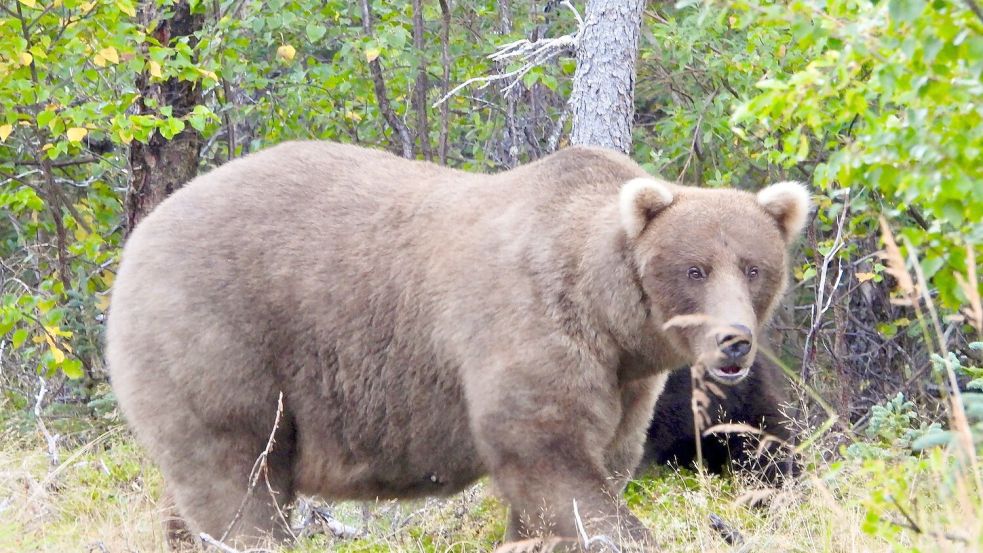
[(696, 273), (752, 272)]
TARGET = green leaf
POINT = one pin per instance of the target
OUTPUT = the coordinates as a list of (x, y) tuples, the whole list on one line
[(932, 439), (315, 31), (905, 10), (19, 337), (72, 368)]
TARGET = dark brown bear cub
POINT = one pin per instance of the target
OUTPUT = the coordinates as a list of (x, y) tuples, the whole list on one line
[(759, 401)]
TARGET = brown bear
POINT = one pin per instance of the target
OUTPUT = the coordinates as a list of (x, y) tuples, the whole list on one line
[(759, 401), (426, 326)]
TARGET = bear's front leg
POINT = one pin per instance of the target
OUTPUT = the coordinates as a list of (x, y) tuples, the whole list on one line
[(638, 399), (543, 440)]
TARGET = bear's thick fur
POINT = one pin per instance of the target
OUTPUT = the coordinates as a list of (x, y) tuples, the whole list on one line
[(426, 326), (760, 401)]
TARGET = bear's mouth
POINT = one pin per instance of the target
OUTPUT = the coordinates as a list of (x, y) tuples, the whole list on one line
[(729, 374)]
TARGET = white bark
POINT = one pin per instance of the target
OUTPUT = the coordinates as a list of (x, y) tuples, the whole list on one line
[(603, 98)]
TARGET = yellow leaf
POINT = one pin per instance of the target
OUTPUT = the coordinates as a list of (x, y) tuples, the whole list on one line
[(5, 131), (29, 3), (109, 53), (371, 54), (102, 302), (352, 116), (87, 7), (99, 60), (76, 134), (25, 58), (58, 354), (155, 69), (57, 331), (108, 277), (126, 8), (864, 277), (47, 147), (286, 52)]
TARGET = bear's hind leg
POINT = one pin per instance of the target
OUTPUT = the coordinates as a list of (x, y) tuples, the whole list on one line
[(176, 531), (225, 488)]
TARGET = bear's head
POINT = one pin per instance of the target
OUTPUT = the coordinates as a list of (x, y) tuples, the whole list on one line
[(712, 264)]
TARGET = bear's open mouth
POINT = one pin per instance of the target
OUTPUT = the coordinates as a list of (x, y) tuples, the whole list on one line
[(729, 374)]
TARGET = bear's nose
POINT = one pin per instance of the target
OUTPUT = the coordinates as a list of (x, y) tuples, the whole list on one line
[(735, 342)]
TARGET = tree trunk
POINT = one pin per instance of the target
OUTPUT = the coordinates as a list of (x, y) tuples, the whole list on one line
[(162, 166), (603, 98), (422, 84)]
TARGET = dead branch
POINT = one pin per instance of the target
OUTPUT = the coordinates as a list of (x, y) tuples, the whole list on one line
[(261, 469), (587, 542), (422, 83), (314, 517), (51, 440), (823, 303), (699, 402), (445, 60), (915, 527), (217, 544), (382, 97), (529, 54), (730, 534)]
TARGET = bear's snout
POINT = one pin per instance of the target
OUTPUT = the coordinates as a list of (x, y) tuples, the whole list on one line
[(730, 362), (735, 342)]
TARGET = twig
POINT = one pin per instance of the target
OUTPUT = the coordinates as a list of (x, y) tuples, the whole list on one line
[(915, 527), (379, 83), (586, 541), (530, 54), (321, 516), (52, 440), (561, 122), (730, 534), (217, 544), (62, 163), (445, 59), (260, 468), (823, 303), (694, 148), (975, 8), (422, 83), (698, 403)]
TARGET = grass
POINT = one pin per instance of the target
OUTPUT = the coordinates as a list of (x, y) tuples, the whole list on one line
[(104, 493)]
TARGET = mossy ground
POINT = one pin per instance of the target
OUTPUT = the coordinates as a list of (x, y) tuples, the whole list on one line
[(104, 495)]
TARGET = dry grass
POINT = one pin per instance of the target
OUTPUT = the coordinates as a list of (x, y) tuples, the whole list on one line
[(103, 496)]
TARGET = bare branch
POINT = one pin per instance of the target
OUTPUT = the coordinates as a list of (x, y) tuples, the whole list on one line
[(260, 469), (379, 83), (217, 544), (529, 54), (445, 59), (975, 8), (51, 440), (422, 83)]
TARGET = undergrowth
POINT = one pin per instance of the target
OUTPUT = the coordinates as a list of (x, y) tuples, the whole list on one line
[(104, 494)]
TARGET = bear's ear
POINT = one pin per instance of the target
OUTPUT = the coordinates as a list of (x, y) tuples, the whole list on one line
[(640, 201), (788, 202)]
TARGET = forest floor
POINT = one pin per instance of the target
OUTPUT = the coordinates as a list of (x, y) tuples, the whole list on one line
[(103, 495)]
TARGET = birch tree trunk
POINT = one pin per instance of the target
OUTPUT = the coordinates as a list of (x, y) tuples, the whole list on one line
[(603, 98)]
